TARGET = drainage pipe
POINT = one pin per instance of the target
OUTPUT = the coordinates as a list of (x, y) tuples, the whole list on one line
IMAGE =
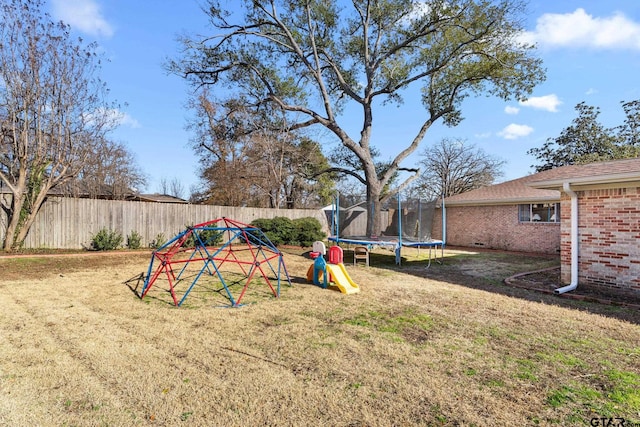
[(574, 240)]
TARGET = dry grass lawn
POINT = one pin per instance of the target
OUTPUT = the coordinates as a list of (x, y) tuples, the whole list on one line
[(448, 346)]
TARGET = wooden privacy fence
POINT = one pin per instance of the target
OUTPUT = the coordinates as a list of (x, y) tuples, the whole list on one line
[(69, 223)]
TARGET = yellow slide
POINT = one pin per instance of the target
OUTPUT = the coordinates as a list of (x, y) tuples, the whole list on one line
[(341, 279)]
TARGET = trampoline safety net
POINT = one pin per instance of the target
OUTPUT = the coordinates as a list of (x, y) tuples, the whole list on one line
[(414, 220)]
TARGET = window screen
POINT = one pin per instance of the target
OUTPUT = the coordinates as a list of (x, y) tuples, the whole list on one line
[(539, 212)]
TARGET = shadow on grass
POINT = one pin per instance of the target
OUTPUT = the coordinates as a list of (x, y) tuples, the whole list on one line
[(207, 289), (487, 270), (135, 284)]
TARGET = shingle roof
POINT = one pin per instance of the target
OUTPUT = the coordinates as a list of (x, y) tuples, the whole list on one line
[(611, 172), (508, 192), (161, 198), (544, 186)]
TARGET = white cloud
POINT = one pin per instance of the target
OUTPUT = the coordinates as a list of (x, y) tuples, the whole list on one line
[(127, 120), (579, 29), (509, 109), (120, 118), (83, 15), (546, 102), (591, 91), (113, 116), (515, 131)]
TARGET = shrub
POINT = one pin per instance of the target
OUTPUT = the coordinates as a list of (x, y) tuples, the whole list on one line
[(280, 230), (106, 240), (208, 237), (158, 241), (134, 240), (267, 228), (309, 230), (283, 231), (211, 237), (262, 223)]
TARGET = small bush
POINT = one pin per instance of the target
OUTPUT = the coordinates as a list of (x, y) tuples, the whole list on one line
[(267, 228), (158, 241), (190, 242), (263, 224), (106, 240), (280, 230), (283, 231), (208, 237), (211, 237), (308, 230), (134, 240)]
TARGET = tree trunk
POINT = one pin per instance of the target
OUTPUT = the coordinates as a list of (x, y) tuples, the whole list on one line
[(17, 200), (30, 219), (374, 218)]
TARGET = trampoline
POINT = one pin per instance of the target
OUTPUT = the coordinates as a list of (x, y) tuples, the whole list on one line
[(437, 246), (391, 243), (412, 212)]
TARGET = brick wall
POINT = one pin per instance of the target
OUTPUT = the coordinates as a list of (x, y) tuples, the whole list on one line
[(496, 227), (609, 237)]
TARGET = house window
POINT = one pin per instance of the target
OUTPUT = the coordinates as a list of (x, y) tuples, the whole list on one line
[(539, 212)]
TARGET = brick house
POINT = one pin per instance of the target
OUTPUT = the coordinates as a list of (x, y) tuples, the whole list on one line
[(600, 222), (511, 216), (590, 214)]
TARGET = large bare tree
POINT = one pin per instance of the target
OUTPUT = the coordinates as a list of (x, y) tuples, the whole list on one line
[(311, 58), (52, 107), (110, 170), (453, 166), (173, 187)]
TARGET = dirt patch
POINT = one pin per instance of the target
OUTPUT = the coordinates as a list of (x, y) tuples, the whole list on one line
[(548, 280), (43, 265)]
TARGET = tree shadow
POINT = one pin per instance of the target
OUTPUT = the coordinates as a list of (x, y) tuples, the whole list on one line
[(490, 270)]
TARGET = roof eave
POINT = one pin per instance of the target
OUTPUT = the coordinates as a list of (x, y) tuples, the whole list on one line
[(619, 178), (511, 201)]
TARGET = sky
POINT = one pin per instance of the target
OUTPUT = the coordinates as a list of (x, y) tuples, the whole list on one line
[(590, 49)]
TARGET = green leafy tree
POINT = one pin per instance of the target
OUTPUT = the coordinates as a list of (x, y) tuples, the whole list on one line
[(52, 107), (587, 140), (629, 131), (312, 58), (305, 187)]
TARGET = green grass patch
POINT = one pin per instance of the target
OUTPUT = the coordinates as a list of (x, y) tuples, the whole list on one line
[(527, 370), (401, 325), (569, 360), (633, 352), (494, 383), (614, 393), (562, 360), (573, 392), (624, 388)]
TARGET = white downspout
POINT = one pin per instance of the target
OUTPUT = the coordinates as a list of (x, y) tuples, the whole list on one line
[(574, 240), (444, 222)]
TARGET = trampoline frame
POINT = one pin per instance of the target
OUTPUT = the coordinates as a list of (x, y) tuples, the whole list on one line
[(396, 243)]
